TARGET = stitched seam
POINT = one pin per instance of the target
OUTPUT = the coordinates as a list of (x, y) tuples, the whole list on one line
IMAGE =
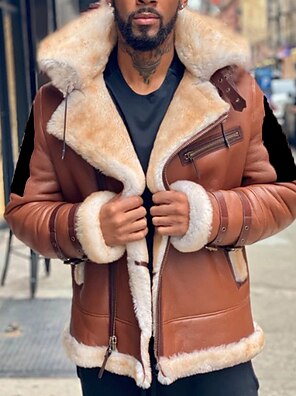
[(216, 313), (106, 316)]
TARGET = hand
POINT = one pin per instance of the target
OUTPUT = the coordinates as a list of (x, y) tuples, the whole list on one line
[(123, 220), (170, 215)]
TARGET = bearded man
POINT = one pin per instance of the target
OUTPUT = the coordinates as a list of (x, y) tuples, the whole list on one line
[(156, 160)]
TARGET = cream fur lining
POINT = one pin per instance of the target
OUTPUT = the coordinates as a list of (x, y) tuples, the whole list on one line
[(200, 217), (187, 364), (77, 53), (118, 363), (89, 232)]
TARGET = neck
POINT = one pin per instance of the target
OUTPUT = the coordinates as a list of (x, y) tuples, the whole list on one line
[(145, 71)]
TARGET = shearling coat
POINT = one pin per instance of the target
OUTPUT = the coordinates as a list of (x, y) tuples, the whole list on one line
[(225, 161)]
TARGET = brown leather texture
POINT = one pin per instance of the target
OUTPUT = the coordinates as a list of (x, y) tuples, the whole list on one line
[(201, 304), (206, 298)]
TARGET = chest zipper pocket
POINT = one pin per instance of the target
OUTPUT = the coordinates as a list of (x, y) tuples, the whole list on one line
[(112, 346), (209, 144)]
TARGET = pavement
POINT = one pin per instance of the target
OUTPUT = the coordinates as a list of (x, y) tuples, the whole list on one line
[(273, 291)]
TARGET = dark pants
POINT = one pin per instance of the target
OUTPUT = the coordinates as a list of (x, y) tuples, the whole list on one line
[(235, 381)]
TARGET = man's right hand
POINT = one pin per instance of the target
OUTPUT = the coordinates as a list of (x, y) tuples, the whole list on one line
[(123, 220)]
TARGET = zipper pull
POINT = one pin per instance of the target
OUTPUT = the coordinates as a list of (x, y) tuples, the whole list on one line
[(191, 159), (224, 136), (111, 348)]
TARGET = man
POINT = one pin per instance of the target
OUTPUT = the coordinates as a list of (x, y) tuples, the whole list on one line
[(146, 93)]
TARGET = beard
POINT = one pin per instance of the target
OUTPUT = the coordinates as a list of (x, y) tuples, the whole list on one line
[(143, 41)]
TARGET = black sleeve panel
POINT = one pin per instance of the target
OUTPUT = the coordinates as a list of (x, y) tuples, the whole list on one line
[(275, 141), (22, 170)]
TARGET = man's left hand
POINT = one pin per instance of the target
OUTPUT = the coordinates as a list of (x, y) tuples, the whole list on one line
[(170, 215)]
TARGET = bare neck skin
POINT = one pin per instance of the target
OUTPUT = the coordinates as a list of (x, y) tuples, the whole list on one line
[(145, 72)]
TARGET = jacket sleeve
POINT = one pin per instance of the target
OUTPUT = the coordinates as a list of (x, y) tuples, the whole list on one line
[(266, 201), (37, 212)]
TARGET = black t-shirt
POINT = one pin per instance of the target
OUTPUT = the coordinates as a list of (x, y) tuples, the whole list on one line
[(142, 115)]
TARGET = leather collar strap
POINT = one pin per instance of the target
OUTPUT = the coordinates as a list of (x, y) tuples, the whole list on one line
[(223, 81)]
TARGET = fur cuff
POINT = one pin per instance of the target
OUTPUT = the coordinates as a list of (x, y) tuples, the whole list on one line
[(89, 231), (200, 217)]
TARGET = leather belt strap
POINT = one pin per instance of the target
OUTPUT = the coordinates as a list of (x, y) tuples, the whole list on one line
[(223, 218), (53, 234), (247, 220), (71, 228), (223, 81)]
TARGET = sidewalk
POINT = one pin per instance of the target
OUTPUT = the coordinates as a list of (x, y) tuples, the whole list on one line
[(273, 274)]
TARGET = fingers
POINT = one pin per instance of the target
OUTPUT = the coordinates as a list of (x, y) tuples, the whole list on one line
[(170, 215), (123, 220), (120, 204)]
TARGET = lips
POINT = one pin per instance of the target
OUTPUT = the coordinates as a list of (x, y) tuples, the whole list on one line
[(146, 15)]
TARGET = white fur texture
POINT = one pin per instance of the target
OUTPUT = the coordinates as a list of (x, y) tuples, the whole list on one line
[(118, 363), (200, 217), (91, 37), (140, 286), (205, 44), (89, 231), (216, 358), (92, 119)]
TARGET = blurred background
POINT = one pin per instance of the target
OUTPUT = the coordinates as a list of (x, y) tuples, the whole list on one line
[(35, 295)]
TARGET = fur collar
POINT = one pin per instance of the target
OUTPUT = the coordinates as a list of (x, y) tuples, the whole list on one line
[(73, 56)]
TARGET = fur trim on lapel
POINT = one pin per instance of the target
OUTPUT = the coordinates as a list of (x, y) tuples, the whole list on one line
[(184, 120), (73, 56), (212, 359), (205, 45), (96, 131)]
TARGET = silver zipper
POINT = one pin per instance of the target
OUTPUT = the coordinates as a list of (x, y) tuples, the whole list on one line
[(200, 134), (111, 348), (190, 155)]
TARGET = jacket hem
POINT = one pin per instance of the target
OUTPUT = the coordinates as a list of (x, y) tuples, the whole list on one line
[(212, 359), (92, 356)]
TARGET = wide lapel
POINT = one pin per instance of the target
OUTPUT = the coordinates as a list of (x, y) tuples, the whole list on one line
[(96, 131), (195, 106)]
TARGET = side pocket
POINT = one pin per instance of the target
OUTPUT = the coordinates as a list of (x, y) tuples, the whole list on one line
[(237, 260)]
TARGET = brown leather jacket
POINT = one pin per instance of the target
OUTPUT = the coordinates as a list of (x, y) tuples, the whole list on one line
[(226, 161)]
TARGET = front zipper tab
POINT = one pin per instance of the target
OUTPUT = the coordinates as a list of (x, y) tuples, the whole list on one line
[(111, 348), (195, 137), (216, 143)]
